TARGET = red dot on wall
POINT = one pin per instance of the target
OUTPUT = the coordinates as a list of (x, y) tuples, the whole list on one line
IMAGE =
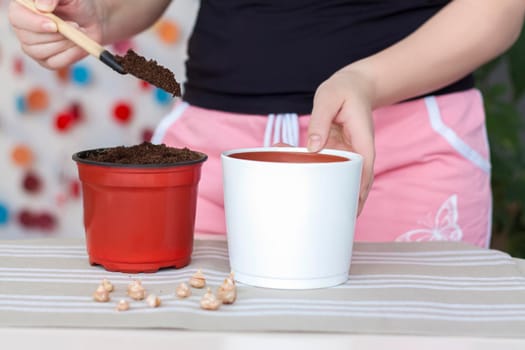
[(147, 134), (122, 112), (64, 121), (18, 66), (60, 199), (76, 111), (32, 182), (26, 218), (74, 189), (45, 221), (63, 74), (144, 85)]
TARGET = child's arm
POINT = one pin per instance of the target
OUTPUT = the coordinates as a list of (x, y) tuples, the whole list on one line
[(453, 43)]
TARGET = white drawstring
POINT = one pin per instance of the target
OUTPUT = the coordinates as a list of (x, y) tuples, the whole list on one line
[(277, 129), (285, 135), (295, 130), (291, 136), (268, 131), (282, 128)]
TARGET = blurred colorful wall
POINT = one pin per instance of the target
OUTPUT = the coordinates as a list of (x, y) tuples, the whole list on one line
[(46, 116)]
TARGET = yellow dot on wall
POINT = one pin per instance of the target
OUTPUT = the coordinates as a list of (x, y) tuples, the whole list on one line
[(22, 155), (168, 31)]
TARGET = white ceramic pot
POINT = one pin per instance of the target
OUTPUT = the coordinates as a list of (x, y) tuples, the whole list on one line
[(290, 215)]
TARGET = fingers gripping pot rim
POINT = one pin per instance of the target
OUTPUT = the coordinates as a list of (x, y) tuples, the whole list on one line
[(290, 215), (139, 217)]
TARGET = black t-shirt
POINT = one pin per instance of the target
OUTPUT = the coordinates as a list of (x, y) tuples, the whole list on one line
[(269, 56)]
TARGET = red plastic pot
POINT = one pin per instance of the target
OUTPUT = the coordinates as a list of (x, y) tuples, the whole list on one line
[(139, 218)]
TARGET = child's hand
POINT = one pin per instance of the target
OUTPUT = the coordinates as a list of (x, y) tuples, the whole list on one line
[(38, 35), (342, 119)]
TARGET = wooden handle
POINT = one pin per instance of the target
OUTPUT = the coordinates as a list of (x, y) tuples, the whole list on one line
[(67, 30)]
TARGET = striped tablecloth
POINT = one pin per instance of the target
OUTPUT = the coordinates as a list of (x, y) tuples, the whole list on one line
[(438, 288)]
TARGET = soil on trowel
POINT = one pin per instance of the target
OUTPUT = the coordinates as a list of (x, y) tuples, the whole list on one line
[(150, 71), (144, 153)]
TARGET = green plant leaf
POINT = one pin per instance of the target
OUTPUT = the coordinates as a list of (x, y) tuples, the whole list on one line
[(516, 61)]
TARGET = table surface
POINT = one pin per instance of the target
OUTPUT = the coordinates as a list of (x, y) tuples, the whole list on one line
[(428, 294), (89, 339)]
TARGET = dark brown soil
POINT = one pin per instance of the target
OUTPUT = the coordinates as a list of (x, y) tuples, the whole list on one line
[(150, 71), (145, 153)]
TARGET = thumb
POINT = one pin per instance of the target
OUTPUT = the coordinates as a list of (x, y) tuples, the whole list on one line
[(46, 5)]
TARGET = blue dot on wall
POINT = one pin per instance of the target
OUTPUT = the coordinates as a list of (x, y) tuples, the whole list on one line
[(81, 74), (21, 103), (4, 214), (162, 97)]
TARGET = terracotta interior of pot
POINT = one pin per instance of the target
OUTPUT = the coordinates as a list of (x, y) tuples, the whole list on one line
[(289, 157)]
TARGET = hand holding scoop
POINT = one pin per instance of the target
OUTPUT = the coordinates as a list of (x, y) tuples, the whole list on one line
[(131, 63)]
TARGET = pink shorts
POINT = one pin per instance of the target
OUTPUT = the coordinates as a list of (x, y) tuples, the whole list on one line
[(432, 170)]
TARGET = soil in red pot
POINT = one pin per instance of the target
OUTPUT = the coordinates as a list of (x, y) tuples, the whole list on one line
[(144, 153)]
